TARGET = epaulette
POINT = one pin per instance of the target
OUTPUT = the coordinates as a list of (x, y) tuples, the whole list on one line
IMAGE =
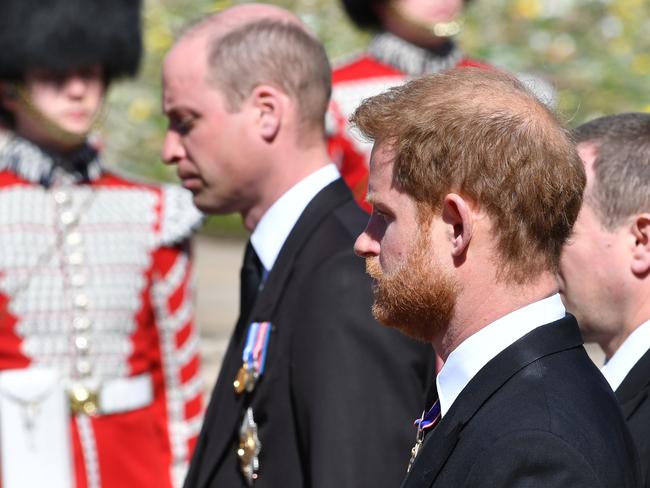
[(180, 217)]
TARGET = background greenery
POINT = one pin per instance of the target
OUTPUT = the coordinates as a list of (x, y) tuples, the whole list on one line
[(596, 54)]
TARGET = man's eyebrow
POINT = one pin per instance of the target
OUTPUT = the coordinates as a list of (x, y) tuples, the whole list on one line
[(376, 202), (174, 110)]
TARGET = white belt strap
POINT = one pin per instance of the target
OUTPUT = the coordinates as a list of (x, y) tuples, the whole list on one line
[(126, 394), (113, 396)]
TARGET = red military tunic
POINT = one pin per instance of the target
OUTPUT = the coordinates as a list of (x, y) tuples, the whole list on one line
[(96, 284), (390, 61)]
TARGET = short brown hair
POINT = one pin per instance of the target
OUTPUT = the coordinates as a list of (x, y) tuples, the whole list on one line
[(277, 53), (483, 134), (621, 186)]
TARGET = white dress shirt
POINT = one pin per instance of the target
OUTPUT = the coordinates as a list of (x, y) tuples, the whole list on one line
[(277, 222), (476, 351), (621, 363)]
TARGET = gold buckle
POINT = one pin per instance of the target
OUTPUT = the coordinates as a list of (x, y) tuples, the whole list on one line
[(84, 401)]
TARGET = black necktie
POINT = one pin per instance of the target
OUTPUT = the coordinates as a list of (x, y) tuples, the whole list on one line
[(251, 277)]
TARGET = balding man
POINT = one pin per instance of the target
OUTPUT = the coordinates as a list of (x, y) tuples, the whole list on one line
[(312, 392), (475, 187), (605, 268)]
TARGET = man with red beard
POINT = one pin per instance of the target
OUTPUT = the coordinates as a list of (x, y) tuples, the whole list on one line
[(475, 186)]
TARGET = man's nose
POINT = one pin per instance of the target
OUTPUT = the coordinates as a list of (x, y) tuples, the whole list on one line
[(365, 246), (172, 149), (76, 85)]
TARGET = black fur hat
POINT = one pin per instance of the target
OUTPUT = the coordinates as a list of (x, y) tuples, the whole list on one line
[(362, 12), (64, 35)]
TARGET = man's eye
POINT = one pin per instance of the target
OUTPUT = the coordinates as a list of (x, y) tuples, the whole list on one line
[(381, 215), (185, 125)]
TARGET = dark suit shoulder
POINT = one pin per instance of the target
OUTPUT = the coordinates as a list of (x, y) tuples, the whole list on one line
[(558, 394), (557, 404), (531, 458)]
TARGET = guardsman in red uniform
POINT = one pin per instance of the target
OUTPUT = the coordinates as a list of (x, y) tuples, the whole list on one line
[(413, 38), (99, 364)]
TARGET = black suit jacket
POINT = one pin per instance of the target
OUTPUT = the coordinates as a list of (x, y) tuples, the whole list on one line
[(539, 414), (633, 396), (336, 403)]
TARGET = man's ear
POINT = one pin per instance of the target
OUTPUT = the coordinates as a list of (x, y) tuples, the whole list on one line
[(457, 213), (268, 106), (641, 252)]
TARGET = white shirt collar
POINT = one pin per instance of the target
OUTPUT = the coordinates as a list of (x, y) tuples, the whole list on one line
[(621, 363), (476, 351), (276, 224)]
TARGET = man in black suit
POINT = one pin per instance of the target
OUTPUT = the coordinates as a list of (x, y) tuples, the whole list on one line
[(312, 392), (475, 187), (605, 267)]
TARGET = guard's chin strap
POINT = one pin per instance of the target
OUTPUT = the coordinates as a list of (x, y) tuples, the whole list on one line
[(55, 130), (438, 29)]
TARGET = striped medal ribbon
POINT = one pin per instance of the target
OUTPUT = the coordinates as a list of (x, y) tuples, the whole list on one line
[(425, 422), (253, 357)]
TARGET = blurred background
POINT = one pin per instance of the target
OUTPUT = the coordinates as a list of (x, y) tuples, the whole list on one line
[(595, 53)]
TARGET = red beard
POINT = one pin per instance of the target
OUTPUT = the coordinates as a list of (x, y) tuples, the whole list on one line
[(418, 298)]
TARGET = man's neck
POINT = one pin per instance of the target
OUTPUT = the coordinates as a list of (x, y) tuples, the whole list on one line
[(633, 320), (288, 169), (277, 223), (479, 307)]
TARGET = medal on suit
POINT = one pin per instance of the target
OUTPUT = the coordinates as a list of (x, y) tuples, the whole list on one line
[(243, 379), (249, 448), (253, 357), (426, 421), (252, 369)]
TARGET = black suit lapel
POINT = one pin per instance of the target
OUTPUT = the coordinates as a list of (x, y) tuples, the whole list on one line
[(542, 341), (332, 196), (224, 412), (633, 391)]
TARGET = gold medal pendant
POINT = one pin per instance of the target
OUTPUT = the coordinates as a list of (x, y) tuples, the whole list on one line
[(241, 379), (244, 379)]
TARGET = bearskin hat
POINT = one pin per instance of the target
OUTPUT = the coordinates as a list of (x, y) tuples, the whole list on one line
[(363, 14), (63, 35)]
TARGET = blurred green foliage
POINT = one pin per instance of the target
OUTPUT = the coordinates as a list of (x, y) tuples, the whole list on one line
[(596, 53)]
